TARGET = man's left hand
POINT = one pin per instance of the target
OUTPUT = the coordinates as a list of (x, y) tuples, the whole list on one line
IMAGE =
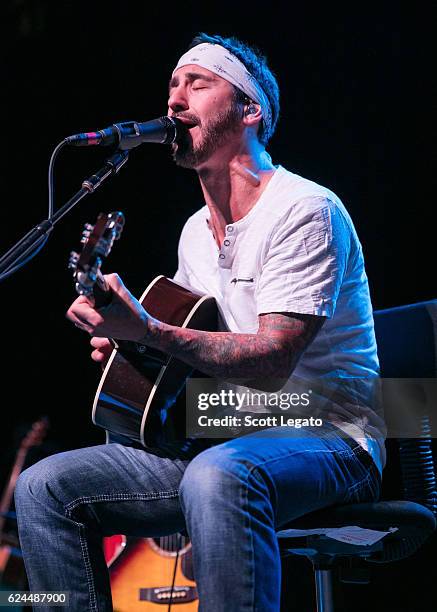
[(124, 318)]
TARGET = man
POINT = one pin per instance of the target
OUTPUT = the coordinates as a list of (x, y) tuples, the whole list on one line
[(282, 258)]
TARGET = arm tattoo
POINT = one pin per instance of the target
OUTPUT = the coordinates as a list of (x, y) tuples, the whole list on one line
[(272, 352)]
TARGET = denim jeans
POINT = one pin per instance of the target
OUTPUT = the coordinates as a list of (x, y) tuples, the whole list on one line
[(230, 497)]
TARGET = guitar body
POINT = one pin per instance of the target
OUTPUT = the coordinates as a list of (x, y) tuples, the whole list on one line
[(12, 571), (139, 385), (141, 573)]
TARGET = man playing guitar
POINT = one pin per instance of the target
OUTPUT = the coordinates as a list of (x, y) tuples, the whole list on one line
[(281, 256)]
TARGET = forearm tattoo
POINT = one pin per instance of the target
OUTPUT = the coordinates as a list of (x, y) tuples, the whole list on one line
[(272, 352)]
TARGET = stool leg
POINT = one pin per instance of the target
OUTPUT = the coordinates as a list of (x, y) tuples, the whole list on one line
[(324, 599)]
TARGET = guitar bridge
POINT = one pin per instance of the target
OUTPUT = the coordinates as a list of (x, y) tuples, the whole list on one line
[(163, 595)]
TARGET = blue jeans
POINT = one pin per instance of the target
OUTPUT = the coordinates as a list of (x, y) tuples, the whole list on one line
[(230, 497)]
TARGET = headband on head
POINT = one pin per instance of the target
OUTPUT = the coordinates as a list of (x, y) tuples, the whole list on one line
[(223, 63)]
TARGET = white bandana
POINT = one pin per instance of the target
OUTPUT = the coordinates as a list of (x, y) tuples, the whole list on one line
[(221, 62)]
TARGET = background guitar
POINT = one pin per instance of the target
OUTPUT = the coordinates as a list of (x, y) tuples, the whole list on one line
[(143, 570), (12, 571)]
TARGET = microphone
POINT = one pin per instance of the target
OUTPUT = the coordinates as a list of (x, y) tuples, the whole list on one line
[(130, 134)]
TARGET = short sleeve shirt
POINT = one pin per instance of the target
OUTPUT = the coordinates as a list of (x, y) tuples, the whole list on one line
[(296, 251)]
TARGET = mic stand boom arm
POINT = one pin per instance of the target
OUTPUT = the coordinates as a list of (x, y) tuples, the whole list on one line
[(30, 241)]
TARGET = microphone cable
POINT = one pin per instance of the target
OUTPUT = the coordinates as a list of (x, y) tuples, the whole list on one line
[(34, 249)]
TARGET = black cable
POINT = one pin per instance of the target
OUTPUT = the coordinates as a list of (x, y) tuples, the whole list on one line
[(51, 187), (173, 580), (34, 249)]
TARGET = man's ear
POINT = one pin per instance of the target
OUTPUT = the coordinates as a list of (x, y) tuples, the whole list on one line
[(252, 114)]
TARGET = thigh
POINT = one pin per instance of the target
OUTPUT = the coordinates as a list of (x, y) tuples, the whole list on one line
[(116, 488), (303, 471)]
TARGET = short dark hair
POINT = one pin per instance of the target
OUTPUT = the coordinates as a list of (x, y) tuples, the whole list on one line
[(256, 64)]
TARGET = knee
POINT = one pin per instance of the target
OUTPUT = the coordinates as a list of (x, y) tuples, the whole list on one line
[(213, 475), (40, 482)]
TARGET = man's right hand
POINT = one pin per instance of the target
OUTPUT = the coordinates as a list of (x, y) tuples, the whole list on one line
[(103, 349)]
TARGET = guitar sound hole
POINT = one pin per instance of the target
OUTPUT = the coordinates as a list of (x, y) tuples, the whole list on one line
[(170, 545)]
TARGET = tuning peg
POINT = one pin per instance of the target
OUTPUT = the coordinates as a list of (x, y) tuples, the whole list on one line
[(74, 258), (81, 290), (86, 232), (117, 223)]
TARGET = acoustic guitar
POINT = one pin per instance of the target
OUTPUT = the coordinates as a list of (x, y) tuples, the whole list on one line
[(137, 394), (12, 572), (149, 573)]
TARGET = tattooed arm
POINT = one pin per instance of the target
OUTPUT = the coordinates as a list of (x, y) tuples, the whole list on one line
[(272, 352)]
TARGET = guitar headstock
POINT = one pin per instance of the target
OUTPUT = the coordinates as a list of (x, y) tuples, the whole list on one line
[(97, 243), (36, 434)]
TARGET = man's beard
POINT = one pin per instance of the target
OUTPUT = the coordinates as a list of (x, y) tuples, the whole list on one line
[(215, 134)]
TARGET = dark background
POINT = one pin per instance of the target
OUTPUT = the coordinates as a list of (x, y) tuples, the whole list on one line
[(356, 117)]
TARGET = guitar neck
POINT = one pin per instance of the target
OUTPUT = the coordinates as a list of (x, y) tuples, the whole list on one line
[(8, 493), (102, 293)]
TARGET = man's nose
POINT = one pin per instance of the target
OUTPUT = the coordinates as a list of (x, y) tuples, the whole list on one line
[(177, 100)]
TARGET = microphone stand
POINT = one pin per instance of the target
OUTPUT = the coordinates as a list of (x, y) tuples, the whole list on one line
[(36, 235)]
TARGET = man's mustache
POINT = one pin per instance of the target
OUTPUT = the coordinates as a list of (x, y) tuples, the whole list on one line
[(188, 117)]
